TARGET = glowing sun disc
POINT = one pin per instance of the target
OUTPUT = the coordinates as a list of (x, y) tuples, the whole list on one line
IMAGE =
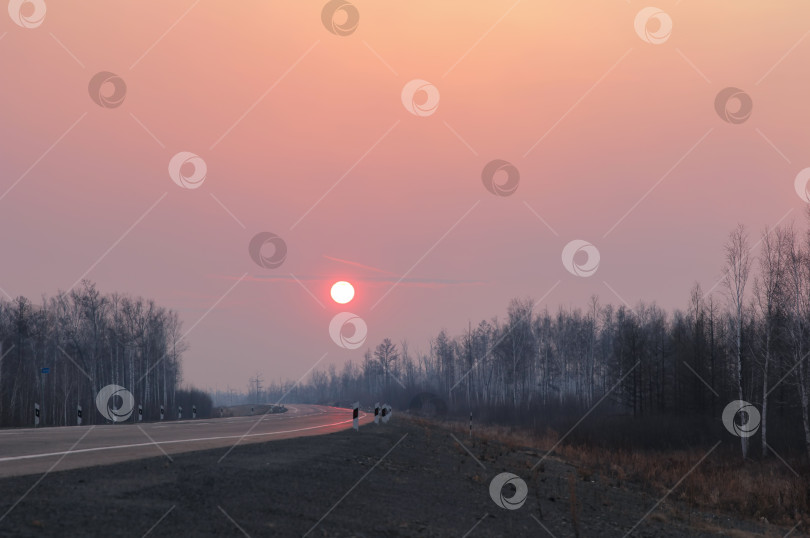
[(342, 292)]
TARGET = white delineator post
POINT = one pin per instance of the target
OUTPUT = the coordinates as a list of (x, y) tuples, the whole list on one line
[(36, 415), (377, 413), (162, 412), (140, 413), (356, 416), (386, 413), (79, 416), (179, 412), (193, 411)]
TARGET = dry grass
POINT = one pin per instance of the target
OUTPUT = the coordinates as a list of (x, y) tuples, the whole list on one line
[(721, 483)]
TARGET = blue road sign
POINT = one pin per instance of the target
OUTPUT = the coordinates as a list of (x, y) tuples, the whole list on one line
[(46, 370)]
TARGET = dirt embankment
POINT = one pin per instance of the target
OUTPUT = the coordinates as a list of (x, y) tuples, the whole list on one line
[(406, 478)]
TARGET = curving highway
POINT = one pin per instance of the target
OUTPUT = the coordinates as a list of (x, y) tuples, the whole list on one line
[(27, 451)]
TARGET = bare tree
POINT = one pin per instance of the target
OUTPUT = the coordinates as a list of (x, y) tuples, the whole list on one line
[(769, 290), (798, 269), (386, 354), (738, 264)]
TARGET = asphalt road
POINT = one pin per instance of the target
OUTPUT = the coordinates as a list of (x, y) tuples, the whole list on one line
[(30, 451)]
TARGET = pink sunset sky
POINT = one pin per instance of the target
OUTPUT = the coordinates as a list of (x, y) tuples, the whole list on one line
[(304, 134)]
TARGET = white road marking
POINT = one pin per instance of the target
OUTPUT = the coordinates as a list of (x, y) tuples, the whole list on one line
[(97, 449)]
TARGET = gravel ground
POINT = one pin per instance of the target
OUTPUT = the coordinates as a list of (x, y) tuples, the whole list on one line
[(404, 479)]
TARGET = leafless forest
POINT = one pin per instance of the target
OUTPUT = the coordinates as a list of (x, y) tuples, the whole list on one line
[(88, 340), (745, 338)]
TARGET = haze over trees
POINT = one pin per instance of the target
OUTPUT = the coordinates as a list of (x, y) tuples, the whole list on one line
[(88, 340), (745, 338)]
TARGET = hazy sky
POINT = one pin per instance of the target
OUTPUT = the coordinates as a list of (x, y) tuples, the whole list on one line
[(305, 134)]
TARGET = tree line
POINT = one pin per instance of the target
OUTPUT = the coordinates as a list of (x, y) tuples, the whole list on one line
[(745, 338), (58, 353)]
